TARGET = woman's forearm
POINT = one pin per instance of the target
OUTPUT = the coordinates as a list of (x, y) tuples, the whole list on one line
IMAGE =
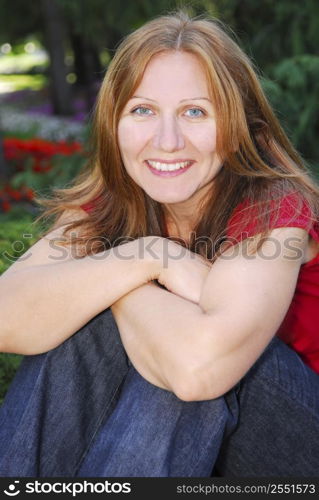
[(158, 329), (41, 306)]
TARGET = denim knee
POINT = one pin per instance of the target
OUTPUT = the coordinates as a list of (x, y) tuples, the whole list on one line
[(278, 426)]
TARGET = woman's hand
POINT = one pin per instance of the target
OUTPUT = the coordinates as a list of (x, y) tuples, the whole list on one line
[(181, 271)]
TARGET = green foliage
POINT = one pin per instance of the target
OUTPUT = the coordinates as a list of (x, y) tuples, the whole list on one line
[(270, 30), (282, 39), (294, 91), (104, 26), (18, 19), (30, 133)]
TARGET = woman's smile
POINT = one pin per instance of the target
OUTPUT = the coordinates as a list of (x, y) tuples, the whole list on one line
[(169, 168)]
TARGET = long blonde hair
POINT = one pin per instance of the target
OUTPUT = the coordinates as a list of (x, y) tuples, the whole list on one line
[(259, 162)]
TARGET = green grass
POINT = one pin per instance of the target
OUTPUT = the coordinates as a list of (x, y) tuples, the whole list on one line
[(17, 234), (14, 226)]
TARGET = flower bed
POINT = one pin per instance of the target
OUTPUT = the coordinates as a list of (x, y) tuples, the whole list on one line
[(8, 195), (30, 158)]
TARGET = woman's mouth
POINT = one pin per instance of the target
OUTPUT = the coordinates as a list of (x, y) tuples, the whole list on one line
[(169, 168)]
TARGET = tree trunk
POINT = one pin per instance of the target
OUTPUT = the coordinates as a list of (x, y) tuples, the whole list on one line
[(86, 66), (55, 35)]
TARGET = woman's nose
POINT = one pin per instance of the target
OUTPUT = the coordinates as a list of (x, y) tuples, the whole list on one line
[(168, 136)]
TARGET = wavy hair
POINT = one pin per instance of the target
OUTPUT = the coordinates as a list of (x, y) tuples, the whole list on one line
[(259, 162)]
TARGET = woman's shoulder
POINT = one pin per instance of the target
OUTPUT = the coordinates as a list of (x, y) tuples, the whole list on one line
[(290, 210)]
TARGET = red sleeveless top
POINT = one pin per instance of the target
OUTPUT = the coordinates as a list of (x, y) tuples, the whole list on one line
[(300, 328)]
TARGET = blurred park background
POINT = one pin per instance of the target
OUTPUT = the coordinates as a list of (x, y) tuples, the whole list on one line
[(53, 55)]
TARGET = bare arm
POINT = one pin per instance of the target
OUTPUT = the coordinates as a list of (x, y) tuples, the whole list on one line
[(44, 300), (199, 351), (156, 327)]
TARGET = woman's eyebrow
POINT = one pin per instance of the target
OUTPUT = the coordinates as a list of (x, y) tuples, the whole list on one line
[(140, 97), (196, 99), (182, 100)]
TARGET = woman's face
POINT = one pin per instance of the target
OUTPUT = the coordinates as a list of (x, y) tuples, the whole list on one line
[(167, 131)]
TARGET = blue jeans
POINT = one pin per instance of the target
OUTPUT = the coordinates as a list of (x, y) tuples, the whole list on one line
[(82, 410)]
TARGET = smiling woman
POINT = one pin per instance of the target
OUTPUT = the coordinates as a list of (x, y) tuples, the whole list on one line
[(155, 304)]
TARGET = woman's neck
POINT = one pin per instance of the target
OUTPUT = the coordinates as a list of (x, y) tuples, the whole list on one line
[(179, 225), (182, 218)]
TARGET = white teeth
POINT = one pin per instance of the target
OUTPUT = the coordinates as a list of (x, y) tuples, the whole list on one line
[(165, 167)]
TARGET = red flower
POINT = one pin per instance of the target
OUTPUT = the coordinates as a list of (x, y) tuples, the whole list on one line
[(16, 195), (28, 193), (37, 167), (5, 205), (36, 153), (19, 150)]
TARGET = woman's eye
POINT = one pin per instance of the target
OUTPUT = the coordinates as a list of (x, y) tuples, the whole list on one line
[(142, 111), (195, 113)]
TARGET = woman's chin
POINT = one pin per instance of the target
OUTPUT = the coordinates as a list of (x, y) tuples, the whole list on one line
[(167, 196), (169, 199)]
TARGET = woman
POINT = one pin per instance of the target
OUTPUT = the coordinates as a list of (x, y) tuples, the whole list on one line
[(192, 185)]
